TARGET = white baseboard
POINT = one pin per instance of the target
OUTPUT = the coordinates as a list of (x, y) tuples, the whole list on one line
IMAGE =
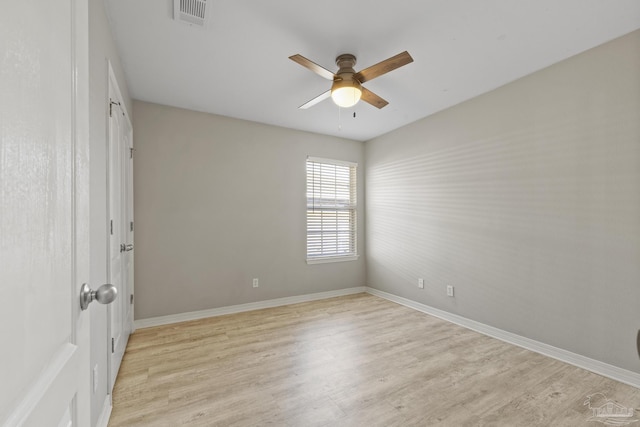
[(103, 421), (600, 368), (194, 315)]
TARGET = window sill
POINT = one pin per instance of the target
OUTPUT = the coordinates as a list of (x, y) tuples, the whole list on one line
[(332, 259)]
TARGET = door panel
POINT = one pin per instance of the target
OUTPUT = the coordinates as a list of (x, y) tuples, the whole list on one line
[(115, 241), (43, 212)]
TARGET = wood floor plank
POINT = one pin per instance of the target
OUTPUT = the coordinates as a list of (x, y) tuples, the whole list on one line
[(357, 360)]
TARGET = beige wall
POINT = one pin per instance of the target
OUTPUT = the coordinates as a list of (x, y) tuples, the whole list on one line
[(101, 49), (219, 201), (527, 200)]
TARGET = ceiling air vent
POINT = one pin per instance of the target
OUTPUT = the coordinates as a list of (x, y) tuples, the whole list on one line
[(190, 11)]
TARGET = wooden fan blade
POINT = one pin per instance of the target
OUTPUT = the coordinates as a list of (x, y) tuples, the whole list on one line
[(384, 67), (372, 98), (307, 63), (316, 100)]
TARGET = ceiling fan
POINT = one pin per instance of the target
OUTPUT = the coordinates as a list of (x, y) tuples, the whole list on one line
[(347, 88)]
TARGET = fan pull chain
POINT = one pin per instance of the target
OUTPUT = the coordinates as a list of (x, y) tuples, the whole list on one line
[(340, 117)]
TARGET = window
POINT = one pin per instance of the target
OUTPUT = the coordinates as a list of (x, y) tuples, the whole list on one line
[(331, 210)]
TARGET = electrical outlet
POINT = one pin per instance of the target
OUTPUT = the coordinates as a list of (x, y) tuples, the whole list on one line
[(255, 283), (421, 283), (449, 290)]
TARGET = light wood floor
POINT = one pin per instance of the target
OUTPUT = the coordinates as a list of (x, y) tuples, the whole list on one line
[(350, 361)]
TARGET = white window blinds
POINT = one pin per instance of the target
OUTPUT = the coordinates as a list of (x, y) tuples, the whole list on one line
[(331, 209)]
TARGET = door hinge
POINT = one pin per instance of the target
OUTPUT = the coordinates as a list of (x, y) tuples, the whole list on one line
[(111, 104), (131, 150), (131, 225), (111, 227), (113, 345), (131, 299)]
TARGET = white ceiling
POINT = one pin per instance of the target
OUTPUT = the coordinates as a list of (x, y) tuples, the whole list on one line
[(238, 65)]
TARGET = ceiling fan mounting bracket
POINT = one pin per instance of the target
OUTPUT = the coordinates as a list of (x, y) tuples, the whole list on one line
[(346, 60)]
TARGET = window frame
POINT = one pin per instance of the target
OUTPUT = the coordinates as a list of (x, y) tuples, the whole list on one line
[(352, 209)]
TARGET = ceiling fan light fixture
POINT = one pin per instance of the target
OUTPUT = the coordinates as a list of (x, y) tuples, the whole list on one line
[(346, 93)]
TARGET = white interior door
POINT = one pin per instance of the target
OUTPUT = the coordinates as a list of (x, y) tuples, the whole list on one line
[(121, 228), (44, 213)]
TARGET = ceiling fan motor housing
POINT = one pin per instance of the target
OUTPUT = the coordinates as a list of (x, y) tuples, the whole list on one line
[(346, 62), (346, 90)]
